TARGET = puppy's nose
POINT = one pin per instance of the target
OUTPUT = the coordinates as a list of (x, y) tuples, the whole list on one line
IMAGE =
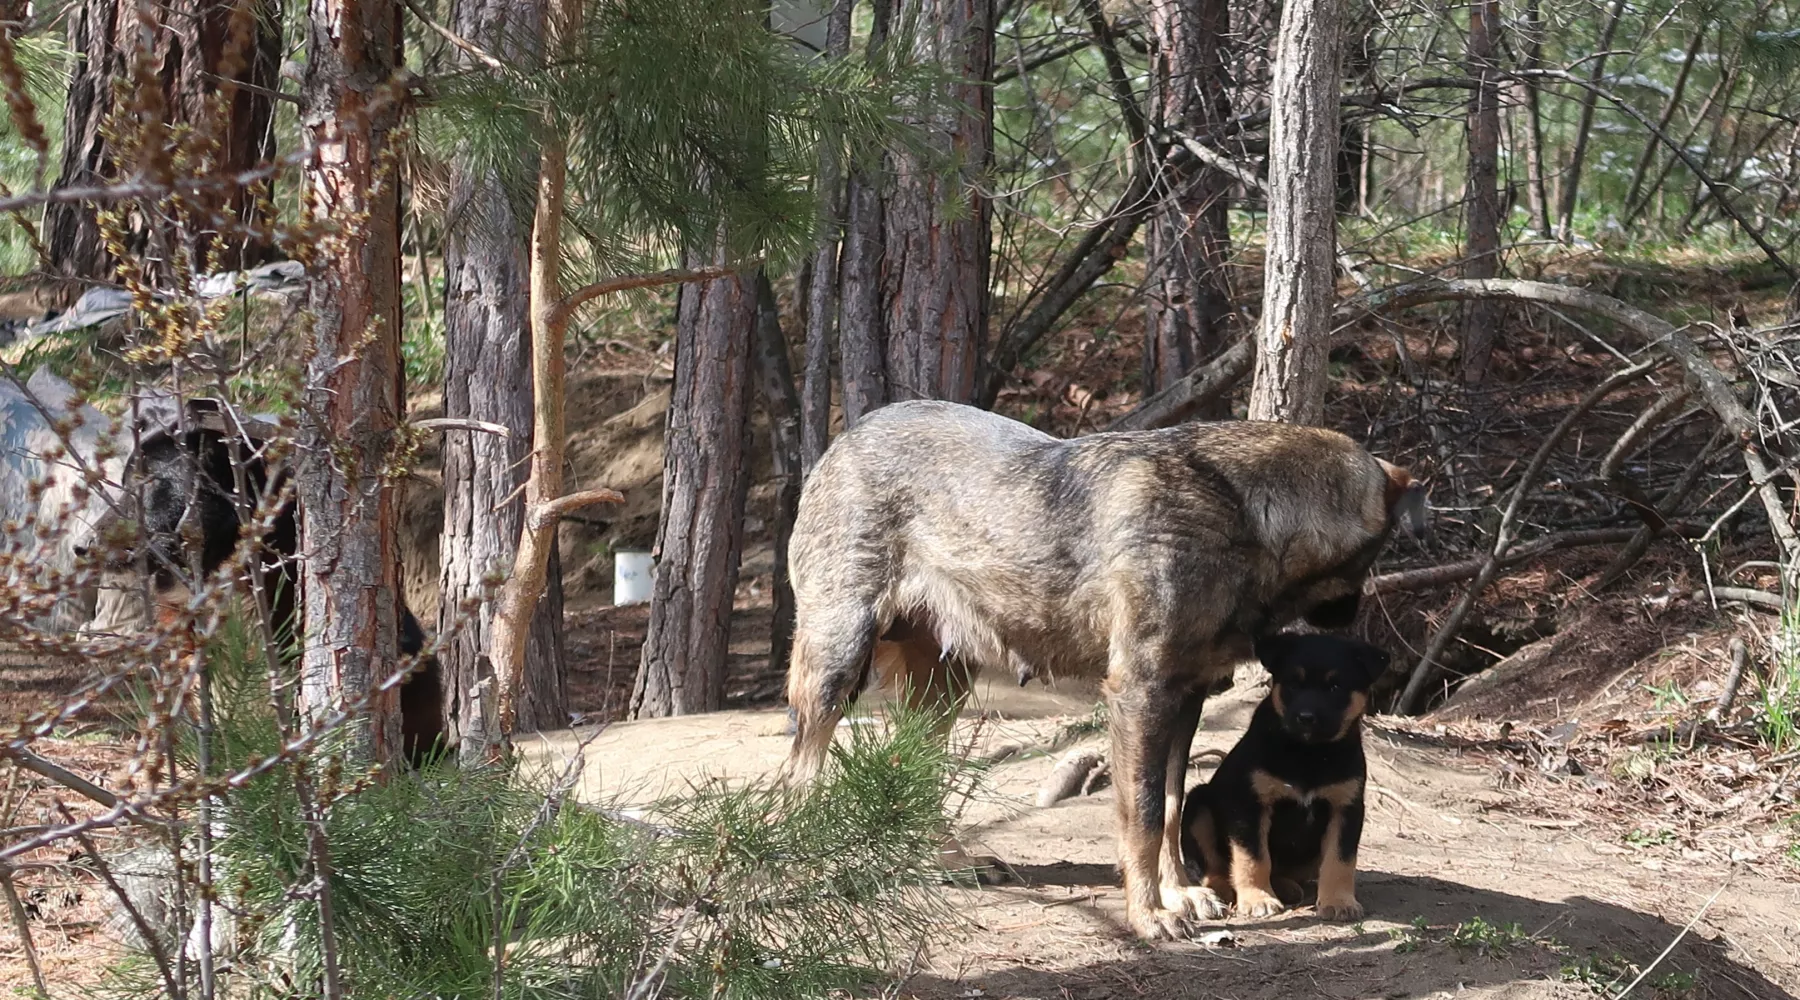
[(1306, 718)]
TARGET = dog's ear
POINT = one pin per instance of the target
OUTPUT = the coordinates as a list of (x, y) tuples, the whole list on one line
[(1371, 661), (1274, 651), (1407, 504)]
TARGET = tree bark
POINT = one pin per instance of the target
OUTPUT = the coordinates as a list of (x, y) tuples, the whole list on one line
[(1536, 198), (350, 565), (1571, 189), (1187, 241), (934, 267), (192, 51), (487, 377), (1481, 317), (1298, 276), (822, 291), (775, 384), (862, 332), (1652, 144), (706, 476)]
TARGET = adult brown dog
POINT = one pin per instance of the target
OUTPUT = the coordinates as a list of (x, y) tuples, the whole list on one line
[(935, 540)]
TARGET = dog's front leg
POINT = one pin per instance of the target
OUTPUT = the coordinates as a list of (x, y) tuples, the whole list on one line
[(1337, 867), (1144, 717), (1178, 891), (1248, 833)]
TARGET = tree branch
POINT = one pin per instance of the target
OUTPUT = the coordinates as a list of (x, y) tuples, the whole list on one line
[(626, 282), (1436, 576), (1713, 388), (462, 424), (1095, 255), (68, 779), (545, 514), (1195, 390), (1503, 540), (480, 54), (1686, 158)]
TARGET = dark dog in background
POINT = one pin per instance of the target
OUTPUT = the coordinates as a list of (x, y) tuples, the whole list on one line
[(201, 476), (935, 540), (1285, 807)]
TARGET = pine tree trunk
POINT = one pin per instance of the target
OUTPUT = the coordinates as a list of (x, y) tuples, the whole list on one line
[(1480, 318), (1653, 144), (706, 476), (862, 331), (1299, 273), (1537, 200), (1571, 189), (191, 44), (350, 566), (823, 287), (862, 336), (1187, 241), (935, 226), (775, 385), (487, 376)]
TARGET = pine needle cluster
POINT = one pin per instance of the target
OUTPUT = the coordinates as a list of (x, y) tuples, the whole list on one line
[(684, 119), (493, 882)]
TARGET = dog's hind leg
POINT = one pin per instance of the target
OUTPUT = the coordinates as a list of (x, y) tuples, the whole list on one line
[(1177, 890), (1200, 839), (908, 656), (829, 665)]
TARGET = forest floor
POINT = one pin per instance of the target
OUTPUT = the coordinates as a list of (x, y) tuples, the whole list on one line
[(1539, 833)]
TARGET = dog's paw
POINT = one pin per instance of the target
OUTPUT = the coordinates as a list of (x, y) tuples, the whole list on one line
[(1257, 903), (1340, 909), (1156, 923), (1194, 902)]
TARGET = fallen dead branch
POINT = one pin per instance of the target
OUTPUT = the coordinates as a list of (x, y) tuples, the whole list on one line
[(1740, 658), (1427, 577), (1068, 776), (1702, 377), (1745, 595), (1503, 537)]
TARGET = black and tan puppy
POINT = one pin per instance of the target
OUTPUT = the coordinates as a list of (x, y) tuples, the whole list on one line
[(1285, 807)]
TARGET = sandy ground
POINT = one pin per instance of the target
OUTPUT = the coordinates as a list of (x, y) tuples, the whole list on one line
[(1443, 860)]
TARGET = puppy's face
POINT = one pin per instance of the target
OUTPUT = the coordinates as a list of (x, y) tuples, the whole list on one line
[(1321, 682)]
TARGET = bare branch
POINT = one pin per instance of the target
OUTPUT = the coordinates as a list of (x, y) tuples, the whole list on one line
[(68, 779), (626, 282), (480, 54), (543, 515), (1503, 540), (462, 424)]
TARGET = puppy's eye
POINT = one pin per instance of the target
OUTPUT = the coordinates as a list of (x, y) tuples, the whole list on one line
[(1336, 688)]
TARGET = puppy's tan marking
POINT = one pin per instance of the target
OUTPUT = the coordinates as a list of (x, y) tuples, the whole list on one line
[(1337, 876), (1359, 703)]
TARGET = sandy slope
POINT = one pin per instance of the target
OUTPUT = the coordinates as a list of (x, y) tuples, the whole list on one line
[(1437, 856)]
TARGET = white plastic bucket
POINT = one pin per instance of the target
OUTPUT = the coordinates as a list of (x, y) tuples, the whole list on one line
[(633, 576)]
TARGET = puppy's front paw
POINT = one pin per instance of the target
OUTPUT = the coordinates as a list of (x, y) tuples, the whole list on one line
[(1257, 903), (1340, 909), (1155, 923)]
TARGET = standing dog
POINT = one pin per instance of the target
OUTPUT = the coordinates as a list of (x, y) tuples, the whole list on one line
[(934, 540), (1285, 807)]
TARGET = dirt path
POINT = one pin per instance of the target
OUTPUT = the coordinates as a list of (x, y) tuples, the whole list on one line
[(1463, 897)]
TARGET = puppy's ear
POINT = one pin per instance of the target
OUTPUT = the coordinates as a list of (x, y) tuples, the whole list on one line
[(1275, 650), (1372, 661)]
